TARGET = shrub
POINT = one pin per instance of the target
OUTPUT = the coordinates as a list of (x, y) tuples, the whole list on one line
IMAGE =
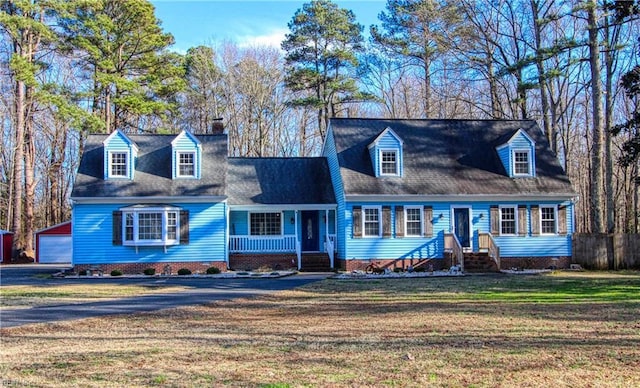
[(149, 271), (213, 270), (184, 271), (83, 272), (116, 272), (398, 270)]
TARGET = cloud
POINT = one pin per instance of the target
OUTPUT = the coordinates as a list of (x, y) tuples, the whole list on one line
[(271, 39)]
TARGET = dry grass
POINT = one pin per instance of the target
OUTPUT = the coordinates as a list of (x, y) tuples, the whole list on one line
[(557, 330), (29, 296)]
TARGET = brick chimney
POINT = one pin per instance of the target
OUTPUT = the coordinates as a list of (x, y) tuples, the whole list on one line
[(217, 128)]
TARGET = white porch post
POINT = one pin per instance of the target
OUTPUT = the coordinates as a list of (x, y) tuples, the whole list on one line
[(328, 245), (298, 250)]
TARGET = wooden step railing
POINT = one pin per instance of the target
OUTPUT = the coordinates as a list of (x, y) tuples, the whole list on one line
[(452, 245), (486, 243)]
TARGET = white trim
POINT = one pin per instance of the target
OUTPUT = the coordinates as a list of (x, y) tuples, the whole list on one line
[(127, 173), (189, 135), (265, 208), (127, 139), (452, 222), (178, 154), (281, 212), (364, 229), (529, 162), (515, 219), (515, 134), (458, 197), (420, 209), (381, 135), (396, 152), (134, 200), (49, 228), (555, 219), (136, 211)]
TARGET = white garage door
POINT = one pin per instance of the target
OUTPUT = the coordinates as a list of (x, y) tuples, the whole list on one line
[(55, 249)]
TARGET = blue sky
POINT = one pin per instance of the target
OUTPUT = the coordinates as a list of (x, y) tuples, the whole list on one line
[(261, 22)]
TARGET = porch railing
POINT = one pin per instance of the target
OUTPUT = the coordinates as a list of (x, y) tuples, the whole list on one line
[(486, 243), (452, 245), (286, 243)]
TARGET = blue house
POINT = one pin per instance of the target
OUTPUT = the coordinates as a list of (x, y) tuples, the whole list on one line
[(485, 194)]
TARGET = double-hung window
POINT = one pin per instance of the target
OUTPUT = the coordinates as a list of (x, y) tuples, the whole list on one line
[(265, 224), (371, 221), (521, 162), (389, 162), (413, 221), (548, 219), (508, 220), (118, 165), (150, 226), (186, 164)]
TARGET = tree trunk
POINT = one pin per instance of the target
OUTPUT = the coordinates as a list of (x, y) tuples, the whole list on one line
[(29, 181), (597, 203), (18, 167), (542, 83)]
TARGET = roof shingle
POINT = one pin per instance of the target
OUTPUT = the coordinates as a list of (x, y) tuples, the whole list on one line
[(445, 157)]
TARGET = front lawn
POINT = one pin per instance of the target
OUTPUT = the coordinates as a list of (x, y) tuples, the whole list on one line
[(567, 329)]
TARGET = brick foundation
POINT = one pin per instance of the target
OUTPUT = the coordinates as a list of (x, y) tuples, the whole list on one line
[(561, 262), (427, 264), (248, 261), (138, 268)]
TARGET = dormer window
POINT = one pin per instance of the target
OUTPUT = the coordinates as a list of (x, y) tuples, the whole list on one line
[(186, 164), (187, 156), (386, 154), (518, 155), (522, 162), (118, 165), (120, 154), (389, 162)]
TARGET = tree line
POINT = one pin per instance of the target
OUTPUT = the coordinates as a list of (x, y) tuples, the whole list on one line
[(74, 68)]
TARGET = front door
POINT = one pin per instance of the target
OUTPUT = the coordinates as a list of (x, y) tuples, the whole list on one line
[(309, 238), (461, 226)]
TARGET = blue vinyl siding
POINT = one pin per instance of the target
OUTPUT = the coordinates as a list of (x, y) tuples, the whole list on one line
[(386, 142), (433, 247), (518, 142), (504, 154), (92, 237), (120, 143), (336, 179), (184, 143)]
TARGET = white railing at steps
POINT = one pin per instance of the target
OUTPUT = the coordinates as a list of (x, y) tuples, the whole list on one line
[(285, 243)]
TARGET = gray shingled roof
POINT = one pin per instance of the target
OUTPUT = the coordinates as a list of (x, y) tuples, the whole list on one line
[(254, 181), (445, 157), (153, 170)]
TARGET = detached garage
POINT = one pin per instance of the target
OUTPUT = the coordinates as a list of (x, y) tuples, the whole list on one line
[(54, 245), (6, 243)]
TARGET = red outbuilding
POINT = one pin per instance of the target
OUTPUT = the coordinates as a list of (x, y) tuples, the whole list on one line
[(54, 245), (6, 242)]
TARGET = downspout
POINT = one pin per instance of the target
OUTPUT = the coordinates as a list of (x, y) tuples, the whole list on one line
[(298, 250), (226, 234)]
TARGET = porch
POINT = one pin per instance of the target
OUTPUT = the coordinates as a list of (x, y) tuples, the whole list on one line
[(285, 238)]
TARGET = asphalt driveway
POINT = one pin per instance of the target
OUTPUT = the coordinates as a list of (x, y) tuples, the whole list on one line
[(201, 291)]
